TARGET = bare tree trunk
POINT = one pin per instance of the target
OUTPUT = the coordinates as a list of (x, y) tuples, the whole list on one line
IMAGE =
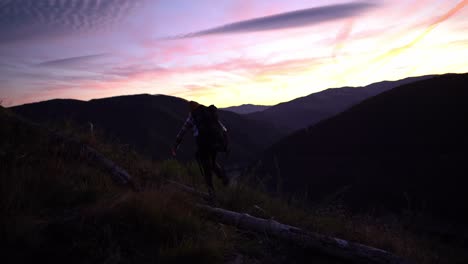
[(335, 247)]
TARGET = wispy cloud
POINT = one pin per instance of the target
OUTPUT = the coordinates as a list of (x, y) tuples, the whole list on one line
[(437, 21), (73, 61), (298, 18), (26, 19), (133, 71)]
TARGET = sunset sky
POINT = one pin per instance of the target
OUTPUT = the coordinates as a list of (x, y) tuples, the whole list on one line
[(226, 52)]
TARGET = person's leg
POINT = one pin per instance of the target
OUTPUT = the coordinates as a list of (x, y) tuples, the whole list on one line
[(218, 170), (204, 160), (204, 163)]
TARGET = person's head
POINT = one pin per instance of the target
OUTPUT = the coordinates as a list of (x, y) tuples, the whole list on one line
[(193, 105)]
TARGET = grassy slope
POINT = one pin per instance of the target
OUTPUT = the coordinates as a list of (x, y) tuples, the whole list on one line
[(56, 207)]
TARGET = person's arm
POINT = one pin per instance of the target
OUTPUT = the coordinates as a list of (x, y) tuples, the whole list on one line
[(187, 125), (225, 137), (221, 124)]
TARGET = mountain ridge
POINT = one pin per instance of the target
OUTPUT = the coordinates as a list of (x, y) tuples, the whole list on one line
[(308, 110), (246, 108)]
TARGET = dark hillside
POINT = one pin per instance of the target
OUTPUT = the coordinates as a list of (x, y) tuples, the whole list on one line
[(405, 149), (309, 110), (150, 123)]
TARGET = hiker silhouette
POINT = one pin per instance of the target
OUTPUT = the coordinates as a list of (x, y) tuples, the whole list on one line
[(211, 138)]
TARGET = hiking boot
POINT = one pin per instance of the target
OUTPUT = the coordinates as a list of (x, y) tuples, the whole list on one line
[(211, 199), (211, 193)]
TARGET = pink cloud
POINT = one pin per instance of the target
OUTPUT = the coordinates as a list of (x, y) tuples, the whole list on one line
[(252, 67), (246, 9), (342, 36)]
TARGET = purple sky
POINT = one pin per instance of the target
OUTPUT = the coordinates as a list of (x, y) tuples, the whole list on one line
[(226, 52)]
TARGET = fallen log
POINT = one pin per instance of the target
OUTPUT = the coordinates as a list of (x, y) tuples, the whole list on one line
[(350, 251), (118, 174)]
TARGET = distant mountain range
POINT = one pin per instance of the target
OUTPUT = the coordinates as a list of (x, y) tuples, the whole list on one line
[(311, 109), (404, 149), (246, 108), (150, 124)]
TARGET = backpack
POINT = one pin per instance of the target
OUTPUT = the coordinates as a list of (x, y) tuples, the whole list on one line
[(210, 132)]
